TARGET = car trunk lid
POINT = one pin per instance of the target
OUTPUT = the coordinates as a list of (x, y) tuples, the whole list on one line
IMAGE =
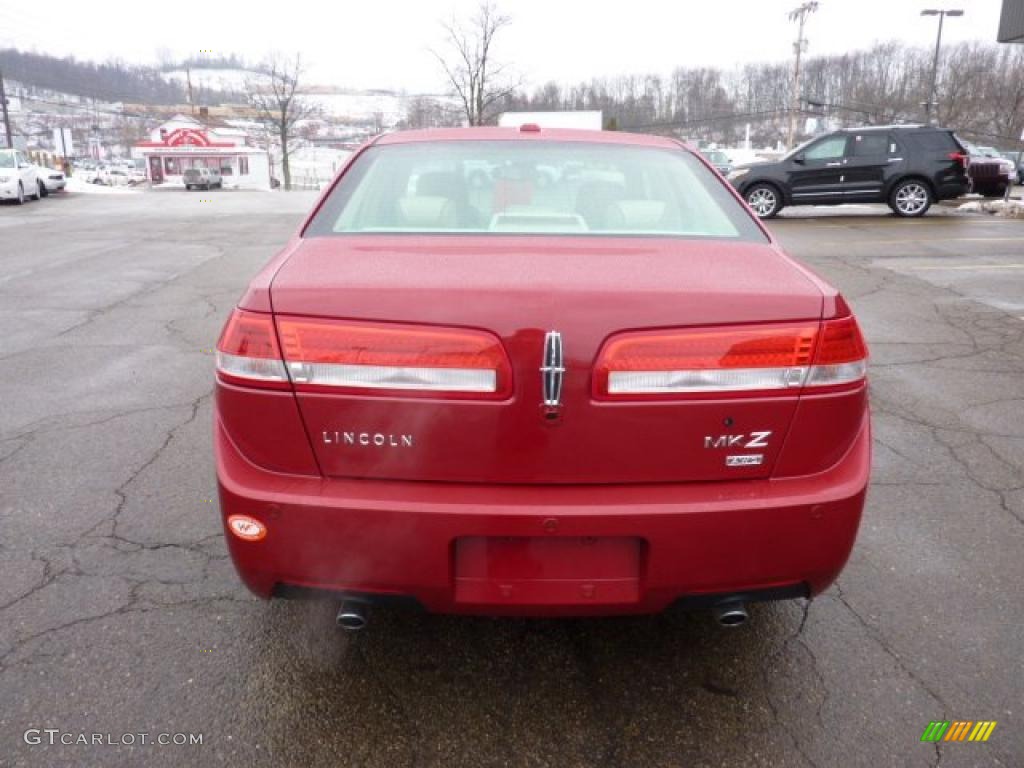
[(521, 289)]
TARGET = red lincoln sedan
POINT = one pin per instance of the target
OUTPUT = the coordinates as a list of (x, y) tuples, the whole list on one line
[(539, 372)]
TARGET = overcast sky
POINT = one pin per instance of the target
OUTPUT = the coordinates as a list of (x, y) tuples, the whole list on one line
[(385, 43)]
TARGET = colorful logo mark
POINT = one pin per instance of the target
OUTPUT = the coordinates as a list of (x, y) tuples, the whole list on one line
[(958, 730)]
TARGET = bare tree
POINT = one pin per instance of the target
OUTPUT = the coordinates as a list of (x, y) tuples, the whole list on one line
[(478, 82), (274, 97), (429, 112)]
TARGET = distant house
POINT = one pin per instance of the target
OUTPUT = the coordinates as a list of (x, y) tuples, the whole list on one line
[(185, 142)]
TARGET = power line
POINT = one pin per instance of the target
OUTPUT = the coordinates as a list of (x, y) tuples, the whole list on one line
[(708, 120)]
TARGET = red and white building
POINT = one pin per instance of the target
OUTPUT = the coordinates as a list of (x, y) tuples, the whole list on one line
[(185, 142)]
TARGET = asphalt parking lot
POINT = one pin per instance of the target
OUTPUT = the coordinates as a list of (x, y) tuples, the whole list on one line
[(121, 614)]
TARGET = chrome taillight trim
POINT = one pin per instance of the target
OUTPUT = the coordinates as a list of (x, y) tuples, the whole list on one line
[(841, 373), (705, 380), (394, 377), (255, 368), (733, 379)]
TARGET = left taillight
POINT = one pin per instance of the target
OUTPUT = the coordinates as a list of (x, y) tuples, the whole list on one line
[(391, 358), (248, 352)]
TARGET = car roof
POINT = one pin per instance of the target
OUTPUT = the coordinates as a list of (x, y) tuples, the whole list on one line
[(899, 127), (488, 133), (915, 128)]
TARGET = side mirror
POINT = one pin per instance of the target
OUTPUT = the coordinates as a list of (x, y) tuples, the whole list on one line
[(799, 159)]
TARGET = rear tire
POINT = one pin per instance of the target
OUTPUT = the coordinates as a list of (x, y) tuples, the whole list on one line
[(910, 199), (764, 200)]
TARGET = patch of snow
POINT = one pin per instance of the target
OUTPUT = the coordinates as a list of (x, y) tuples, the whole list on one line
[(77, 185), (1011, 209)]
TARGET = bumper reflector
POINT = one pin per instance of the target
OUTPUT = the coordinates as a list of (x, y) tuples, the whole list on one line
[(247, 528)]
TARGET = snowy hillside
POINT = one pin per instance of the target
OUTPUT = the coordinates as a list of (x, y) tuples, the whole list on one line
[(339, 103), (213, 79)]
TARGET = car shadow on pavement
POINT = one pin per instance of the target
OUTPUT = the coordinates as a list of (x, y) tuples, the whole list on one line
[(426, 689)]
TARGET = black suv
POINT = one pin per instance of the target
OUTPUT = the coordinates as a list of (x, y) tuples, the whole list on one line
[(908, 167)]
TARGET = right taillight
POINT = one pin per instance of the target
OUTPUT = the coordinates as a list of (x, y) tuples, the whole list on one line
[(248, 353), (841, 357), (730, 361)]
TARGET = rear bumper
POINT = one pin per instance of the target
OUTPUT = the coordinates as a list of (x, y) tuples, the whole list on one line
[(954, 189), (406, 542)]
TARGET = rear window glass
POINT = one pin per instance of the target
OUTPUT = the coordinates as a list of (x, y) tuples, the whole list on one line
[(520, 187), (934, 141)]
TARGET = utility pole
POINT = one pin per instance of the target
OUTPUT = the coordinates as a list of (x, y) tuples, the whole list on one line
[(799, 15), (933, 96), (188, 79), (7, 119)]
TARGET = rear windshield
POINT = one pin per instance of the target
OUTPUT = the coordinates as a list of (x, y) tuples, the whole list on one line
[(532, 188), (935, 141)]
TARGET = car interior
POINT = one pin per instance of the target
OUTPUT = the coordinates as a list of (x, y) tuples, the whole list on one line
[(543, 191)]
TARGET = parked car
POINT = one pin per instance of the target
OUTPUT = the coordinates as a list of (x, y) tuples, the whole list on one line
[(719, 159), (1017, 158), (908, 167), (18, 180), (609, 395), (990, 172), (202, 178), (50, 180), (114, 177)]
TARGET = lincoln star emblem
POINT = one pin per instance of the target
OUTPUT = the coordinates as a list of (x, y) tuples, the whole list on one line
[(553, 370)]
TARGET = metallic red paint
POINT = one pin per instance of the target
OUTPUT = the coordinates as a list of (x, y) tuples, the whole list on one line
[(400, 538), (589, 289), (494, 509)]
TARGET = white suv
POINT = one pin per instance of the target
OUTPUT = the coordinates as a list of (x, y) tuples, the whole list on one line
[(206, 178), (18, 179)]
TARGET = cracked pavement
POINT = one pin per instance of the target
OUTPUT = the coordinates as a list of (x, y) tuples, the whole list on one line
[(120, 611)]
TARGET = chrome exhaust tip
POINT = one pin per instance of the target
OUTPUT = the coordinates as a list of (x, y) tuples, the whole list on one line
[(351, 616), (730, 614)]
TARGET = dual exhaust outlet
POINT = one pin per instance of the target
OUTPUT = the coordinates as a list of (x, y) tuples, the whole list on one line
[(351, 616), (732, 613)]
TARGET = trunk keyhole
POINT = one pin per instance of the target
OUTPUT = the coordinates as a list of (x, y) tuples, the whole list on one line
[(552, 414)]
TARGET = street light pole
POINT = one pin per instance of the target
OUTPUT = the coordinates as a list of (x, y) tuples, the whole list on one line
[(933, 98)]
